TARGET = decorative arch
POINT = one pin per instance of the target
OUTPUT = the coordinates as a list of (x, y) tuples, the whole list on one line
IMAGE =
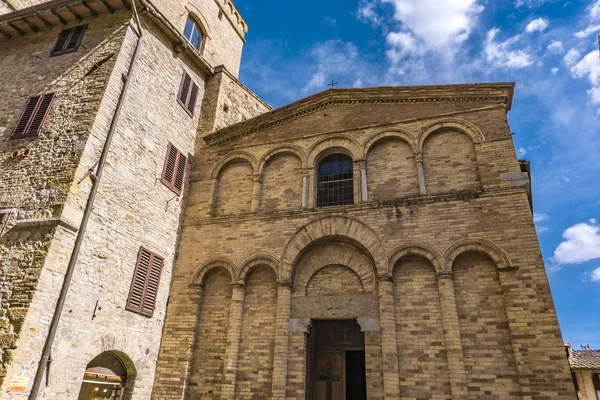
[(256, 261), (417, 249), (196, 14), (236, 155), (477, 245), (200, 274), (333, 144), (397, 133), (333, 227), (281, 149), (461, 125)]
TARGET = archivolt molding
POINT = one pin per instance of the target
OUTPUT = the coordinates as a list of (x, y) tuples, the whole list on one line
[(459, 124), (417, 249), (400, 134), (282, 149), (477, 245), (242, 155), (200, 274), (341, 142), (197, 15), (331, 227), (256, 261)]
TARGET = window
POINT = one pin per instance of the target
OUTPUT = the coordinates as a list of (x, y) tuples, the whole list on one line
[(596, 381), (68, 40), (188, 94), (173, 174), (335, 181), (33, 116), (144, 285), (193, 33)]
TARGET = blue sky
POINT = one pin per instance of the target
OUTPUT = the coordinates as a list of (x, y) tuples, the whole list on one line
[(549, 48)]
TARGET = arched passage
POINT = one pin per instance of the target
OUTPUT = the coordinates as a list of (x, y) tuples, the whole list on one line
[(109, 376)]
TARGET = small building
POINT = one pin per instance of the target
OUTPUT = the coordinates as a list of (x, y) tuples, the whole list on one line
[(585, 367)]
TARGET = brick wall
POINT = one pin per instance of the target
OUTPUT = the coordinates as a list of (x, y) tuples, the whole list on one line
[(281, 184), (334, 279), (234, 191), (392, 170)]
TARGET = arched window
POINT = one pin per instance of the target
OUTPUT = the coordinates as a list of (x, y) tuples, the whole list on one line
[(193, 33), (335, 181)]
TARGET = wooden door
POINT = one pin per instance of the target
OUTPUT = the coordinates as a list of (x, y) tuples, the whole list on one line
[(329, 376)]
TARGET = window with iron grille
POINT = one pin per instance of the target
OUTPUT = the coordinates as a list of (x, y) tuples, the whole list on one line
[(188, 94), (335, 181), (144, 285), (33, 116), (173, 175), (68, 40)]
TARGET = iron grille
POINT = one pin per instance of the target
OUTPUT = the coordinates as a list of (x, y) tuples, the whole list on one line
[(335, 184)]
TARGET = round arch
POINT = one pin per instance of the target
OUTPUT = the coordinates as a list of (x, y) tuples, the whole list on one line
[(463, 126), (200, 274), (196, 14), (237, 155), (337, 227), (331, 145), (490, 249), (256, 261), (282, 149), (399, 134), (416, 249)]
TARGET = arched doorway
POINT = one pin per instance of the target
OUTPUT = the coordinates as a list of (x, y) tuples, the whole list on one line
[(104, 378)]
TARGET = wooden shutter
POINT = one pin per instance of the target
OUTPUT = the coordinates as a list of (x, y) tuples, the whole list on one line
[(596, 381), (188, 93), (32, 119), (173, 175), (69, 40), (145, 283)]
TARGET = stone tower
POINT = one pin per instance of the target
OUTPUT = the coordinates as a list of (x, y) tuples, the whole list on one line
[(363, 244), (106, 99)]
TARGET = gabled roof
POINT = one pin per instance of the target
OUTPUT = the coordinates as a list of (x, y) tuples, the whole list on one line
[(585, 359), (500, 93)]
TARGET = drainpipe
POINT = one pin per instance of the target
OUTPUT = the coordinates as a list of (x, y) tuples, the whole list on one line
[(95, 177)]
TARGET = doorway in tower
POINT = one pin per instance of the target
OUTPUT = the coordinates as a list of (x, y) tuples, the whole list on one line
[(336, 361)]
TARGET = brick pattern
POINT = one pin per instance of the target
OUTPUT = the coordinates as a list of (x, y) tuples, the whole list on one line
[(423, 365), (489, 361), (449, 162), (234, 189), (255, 363), (391, 170), (334, 279), (211, 337), (281, 184)]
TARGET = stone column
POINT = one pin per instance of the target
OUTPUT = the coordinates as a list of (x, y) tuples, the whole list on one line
[(389, 346), (372, 331), (364, 196), (299, 328), (454, 349), (256, 193), (233, 341), (305, 180), (280, 351), (421, 174)]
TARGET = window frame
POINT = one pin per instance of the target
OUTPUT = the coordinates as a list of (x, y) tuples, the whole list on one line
[(189, 108), (199, 28), (69, 35), (344, 199), (137, 271), (33, 114), (172, 183)]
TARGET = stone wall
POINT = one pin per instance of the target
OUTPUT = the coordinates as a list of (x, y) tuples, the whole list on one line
[(37, 172), (474, 223)]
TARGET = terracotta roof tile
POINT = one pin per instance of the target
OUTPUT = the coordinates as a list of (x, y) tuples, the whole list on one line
[(585, 359)]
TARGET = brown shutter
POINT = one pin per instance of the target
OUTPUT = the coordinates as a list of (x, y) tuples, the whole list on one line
[(145, 283), (184, 89), (188, 93), (33, 116), (193, 97), (173, 175), (69, 40), (63, 38), (75, 39)]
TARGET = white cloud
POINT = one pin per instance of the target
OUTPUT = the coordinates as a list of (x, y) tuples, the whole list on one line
[(571, 57), (595, 275), (400, 44), (589, 66), (540, 217), (521, 152), (500, 54), (437, 25), (367, 12), (542, 229), (330, 21), (587, 31), (556, 47), (537, 25), (582, 243), (595, 11), (529, 3), (554, 70)]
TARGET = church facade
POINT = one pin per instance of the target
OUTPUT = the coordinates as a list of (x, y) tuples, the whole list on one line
[(363, 244)]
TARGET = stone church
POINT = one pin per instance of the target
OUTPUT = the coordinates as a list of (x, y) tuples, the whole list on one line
[(165, 234)]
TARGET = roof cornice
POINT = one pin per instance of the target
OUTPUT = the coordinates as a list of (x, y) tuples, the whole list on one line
[(501, 93)]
